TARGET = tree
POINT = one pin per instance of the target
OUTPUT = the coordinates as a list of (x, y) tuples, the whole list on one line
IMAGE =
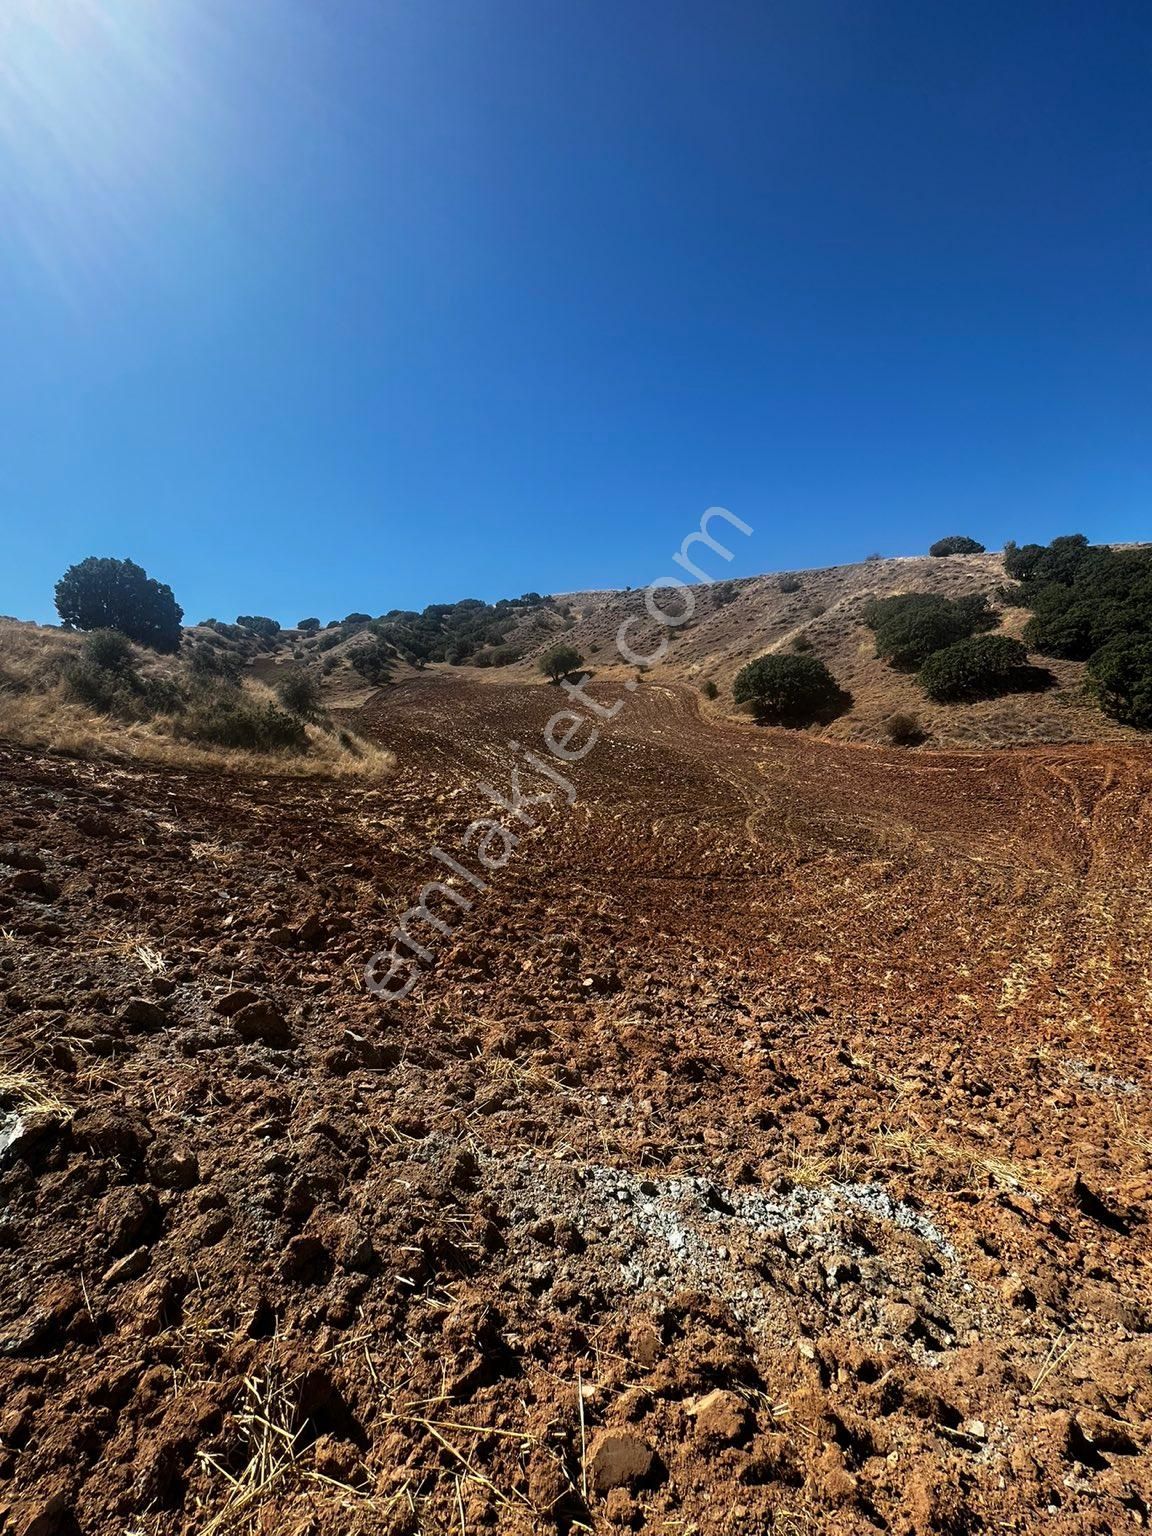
[(118, 594), (308, 626), (257, 624), (956, 544), (910, 627), (1120, 675), (981, 667), (560, 661), (789, 690), (299, 692)]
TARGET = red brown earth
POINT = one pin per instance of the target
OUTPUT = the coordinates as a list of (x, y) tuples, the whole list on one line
[(768, 1149)]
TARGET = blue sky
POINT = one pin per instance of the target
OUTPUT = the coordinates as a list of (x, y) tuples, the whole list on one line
[(319, 307)]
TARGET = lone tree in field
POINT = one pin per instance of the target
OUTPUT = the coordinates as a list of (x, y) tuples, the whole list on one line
[(117, 594), (560, 660), (956, 544), (789, 690)]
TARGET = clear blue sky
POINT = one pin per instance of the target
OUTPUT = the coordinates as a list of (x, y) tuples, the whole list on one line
[(311, 307)]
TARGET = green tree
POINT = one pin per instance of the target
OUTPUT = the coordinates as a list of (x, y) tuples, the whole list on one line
[(789, 690), (560, 661), (910, 627), (257, 624), (956, 544), (1120, 675), (299, 692), (308, 626), (118, 594), (981, 667)]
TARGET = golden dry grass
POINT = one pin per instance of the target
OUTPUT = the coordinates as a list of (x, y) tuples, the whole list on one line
[(35, 712)]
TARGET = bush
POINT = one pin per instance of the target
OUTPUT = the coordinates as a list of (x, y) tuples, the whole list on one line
[(257, 624), (560, 661), (801, 643), (227, 717), (308, 626), (788, 583), (981, 667), (1040, 563), (98, 689), (955, 544), (910, 627), (1120, 675), (1096, 596), (372, 658), (710, 690), (117, 594), (206, 662), (109, 649), (872, 558), (355, 620), (789, 690), (903, 730), (299, 693)]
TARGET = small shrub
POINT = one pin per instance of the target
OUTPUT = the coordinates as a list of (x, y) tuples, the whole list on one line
[(308, 626), (903, 730), (981, 667), (788, 583), (789, 690), (207, 662), (109, 649), (299, 693), (710, 690), (724, 592), (98, 689), (801, 643), (373, 660), (955, 544), (227, 717), (355, 620), (872, 559)]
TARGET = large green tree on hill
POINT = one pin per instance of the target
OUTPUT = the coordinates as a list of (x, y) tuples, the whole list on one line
[(789, 690), (118, 594)]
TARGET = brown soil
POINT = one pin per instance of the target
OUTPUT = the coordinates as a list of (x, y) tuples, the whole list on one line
[(769, 1148)]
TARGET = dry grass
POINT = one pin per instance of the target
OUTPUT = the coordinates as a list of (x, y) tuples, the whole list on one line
[(277, 1462), (969, 1165), (26, 1094), (35, 712)]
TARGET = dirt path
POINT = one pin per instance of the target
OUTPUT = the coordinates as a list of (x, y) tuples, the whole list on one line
[(768, 1148)]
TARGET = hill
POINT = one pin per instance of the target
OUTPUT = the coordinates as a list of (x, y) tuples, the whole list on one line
[(737, 620)]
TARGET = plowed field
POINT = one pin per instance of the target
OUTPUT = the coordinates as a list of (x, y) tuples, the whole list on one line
[(767, 1147)]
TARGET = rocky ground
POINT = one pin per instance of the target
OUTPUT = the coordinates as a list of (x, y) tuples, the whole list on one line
[(768, 1148)]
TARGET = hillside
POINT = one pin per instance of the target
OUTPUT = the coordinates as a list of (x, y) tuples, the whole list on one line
[(736, 621)]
